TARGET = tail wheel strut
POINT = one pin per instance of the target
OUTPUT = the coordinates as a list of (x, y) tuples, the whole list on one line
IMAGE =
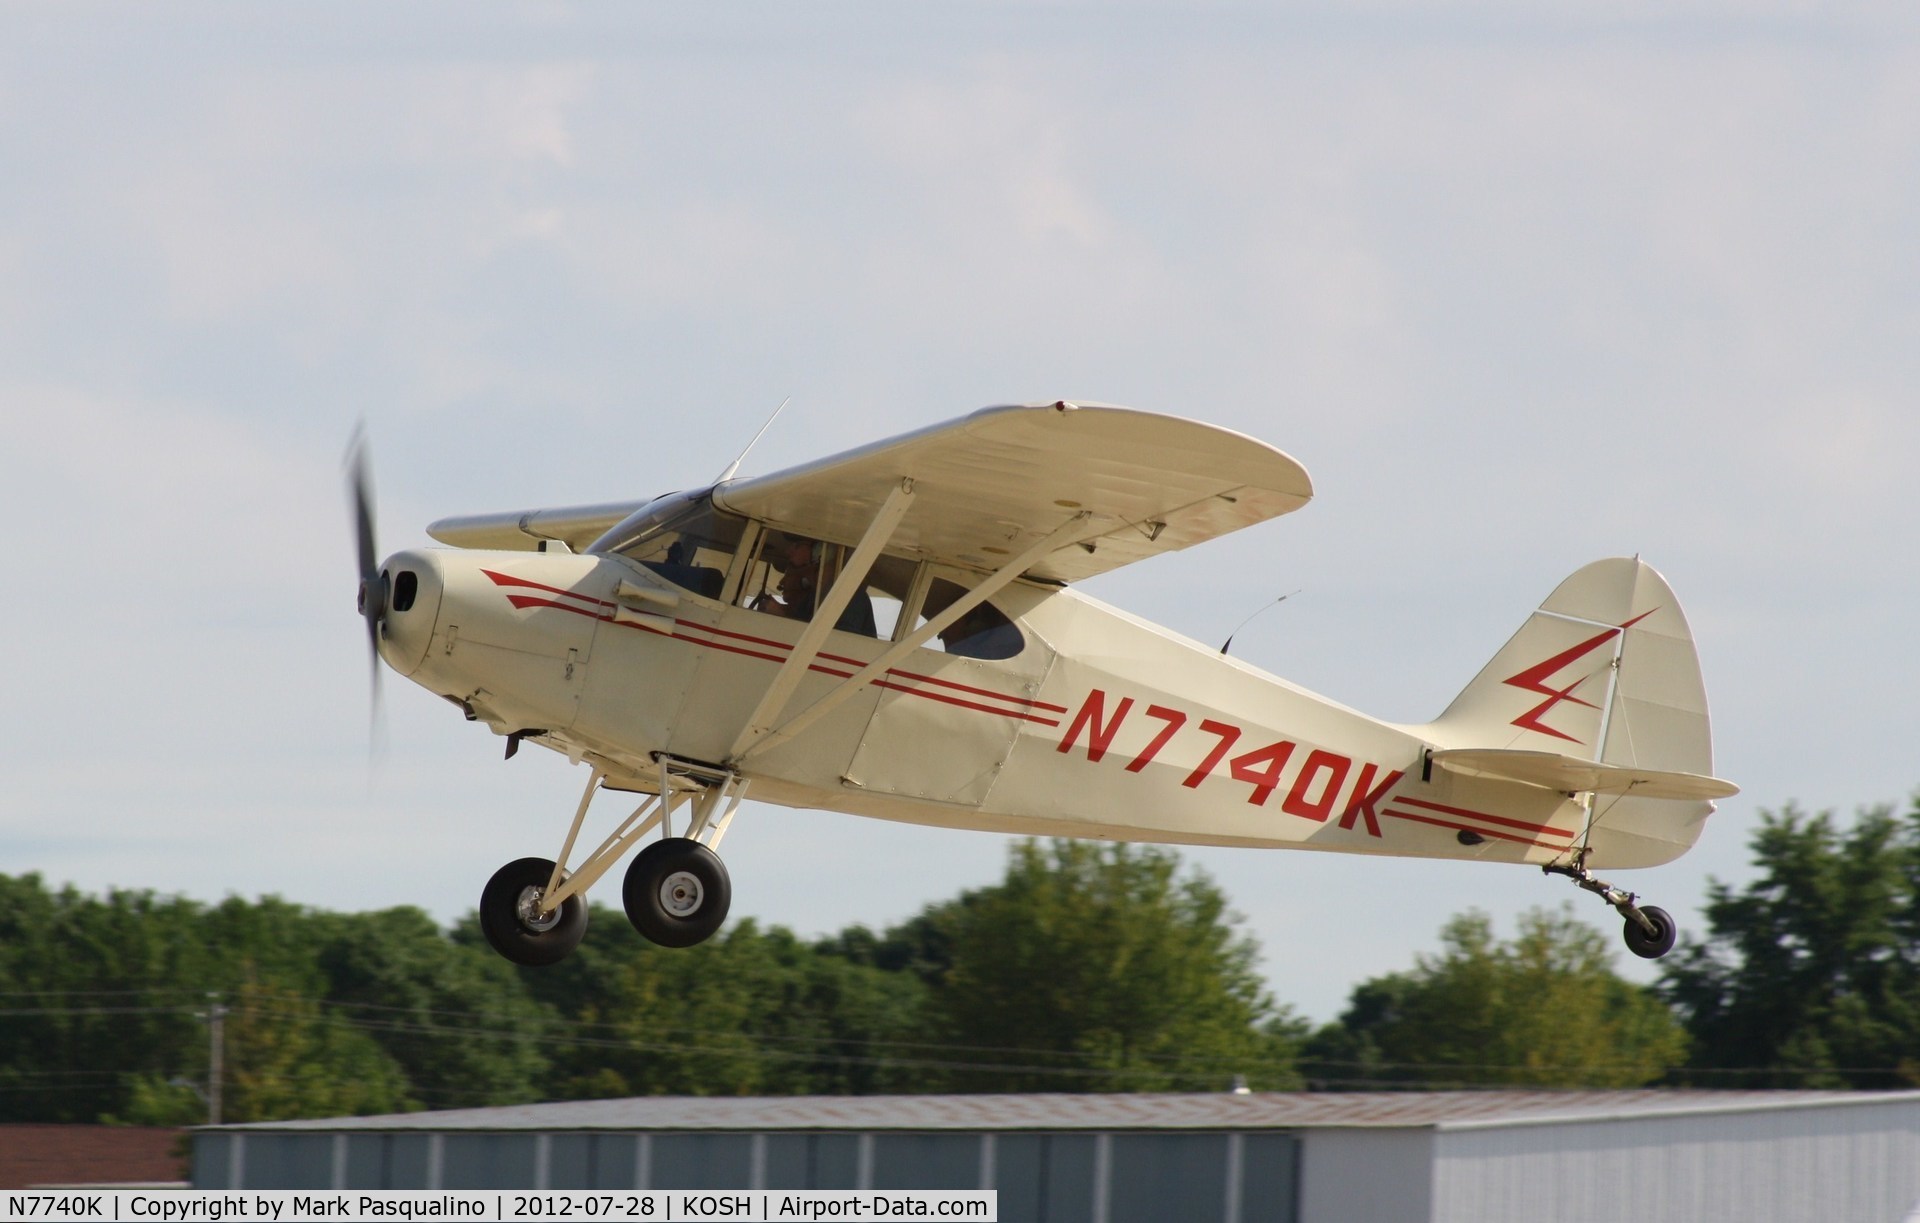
[(1649, 931)]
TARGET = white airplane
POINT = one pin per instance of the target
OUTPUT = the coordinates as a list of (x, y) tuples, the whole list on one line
[(893, 632)]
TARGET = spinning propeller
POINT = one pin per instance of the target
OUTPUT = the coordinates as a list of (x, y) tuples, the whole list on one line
[(373, 583)]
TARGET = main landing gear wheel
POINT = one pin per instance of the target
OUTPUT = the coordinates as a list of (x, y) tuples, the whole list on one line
[(510, 915), (1650, 945), (677, 892)]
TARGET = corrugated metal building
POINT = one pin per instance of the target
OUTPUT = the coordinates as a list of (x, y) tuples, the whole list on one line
[(1690, 1157)]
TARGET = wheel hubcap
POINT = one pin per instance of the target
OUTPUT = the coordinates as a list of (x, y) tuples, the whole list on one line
[(681, 894), (527, 909)]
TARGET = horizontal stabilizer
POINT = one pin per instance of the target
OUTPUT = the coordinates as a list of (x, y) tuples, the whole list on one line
[(1572, 775)]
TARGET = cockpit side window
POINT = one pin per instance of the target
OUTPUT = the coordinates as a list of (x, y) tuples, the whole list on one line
[(790, 576), (690, 545), (984, 632)]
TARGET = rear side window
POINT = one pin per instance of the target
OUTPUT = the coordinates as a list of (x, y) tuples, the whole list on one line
[(984, 632)]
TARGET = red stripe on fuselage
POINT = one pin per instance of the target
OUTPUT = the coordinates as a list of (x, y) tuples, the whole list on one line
[(1390, 813), (915, 677), (954, 700), (507, 579), (1522, 825), (523, 602)]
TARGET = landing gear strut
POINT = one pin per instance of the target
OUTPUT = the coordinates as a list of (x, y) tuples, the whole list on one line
[(534, 911), (1649, 931)]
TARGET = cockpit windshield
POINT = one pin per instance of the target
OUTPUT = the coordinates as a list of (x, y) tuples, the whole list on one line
[(680, 537)]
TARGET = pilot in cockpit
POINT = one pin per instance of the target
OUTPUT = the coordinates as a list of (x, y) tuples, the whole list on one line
[(799, 583)]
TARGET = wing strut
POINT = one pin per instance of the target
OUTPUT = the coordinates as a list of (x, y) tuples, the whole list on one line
[(912, 641), (850, 578)]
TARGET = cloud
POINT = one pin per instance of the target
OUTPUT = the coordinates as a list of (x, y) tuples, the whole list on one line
[(994, 151), (491, 115)]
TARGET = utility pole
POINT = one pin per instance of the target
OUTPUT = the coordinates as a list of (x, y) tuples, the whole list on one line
[(216, 1030)]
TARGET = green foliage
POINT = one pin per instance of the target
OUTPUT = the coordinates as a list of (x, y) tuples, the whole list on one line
[(151, 1101), (454, 1016), (1097, 967), (1544, 1010), (288, 1057), (760, 1013), (1810, 974), (748, 1012), (92, 989), (1088, 967), (109, 1001)]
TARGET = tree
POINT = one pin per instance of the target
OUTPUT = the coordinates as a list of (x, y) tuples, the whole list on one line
[(1098, 967), (1545, 1010), (107, 1002), (1810, 975), (1087, 967), (454, 1017), (749, 1011), (98, 994), (289, 1057)]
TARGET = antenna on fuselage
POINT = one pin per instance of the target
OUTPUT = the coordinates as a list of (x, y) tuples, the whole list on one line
[(1236, 628), (735, 465)]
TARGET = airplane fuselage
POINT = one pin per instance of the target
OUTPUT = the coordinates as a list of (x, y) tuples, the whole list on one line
[(1082, 733)]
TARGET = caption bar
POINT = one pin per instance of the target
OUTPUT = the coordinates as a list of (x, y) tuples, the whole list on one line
[(654, 1205)]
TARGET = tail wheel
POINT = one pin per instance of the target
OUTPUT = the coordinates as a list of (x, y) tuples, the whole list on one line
[(1651, 946), (510, 915), (677, 892)]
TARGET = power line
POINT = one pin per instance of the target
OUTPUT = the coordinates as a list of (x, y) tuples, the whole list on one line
[(755, 1045)]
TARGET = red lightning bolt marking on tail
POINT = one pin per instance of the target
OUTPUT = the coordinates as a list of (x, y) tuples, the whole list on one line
[(1534, 679)]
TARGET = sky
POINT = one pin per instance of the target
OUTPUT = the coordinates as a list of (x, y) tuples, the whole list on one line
[(1522, 286)]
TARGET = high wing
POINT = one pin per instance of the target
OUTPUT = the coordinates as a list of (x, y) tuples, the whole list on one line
[(987, 486)]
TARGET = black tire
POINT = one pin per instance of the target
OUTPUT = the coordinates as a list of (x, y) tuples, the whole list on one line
[(1651, 946), (506, 915), (677, 892)]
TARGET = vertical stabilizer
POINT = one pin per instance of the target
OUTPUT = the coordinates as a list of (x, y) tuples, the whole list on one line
[(1604, 670)]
